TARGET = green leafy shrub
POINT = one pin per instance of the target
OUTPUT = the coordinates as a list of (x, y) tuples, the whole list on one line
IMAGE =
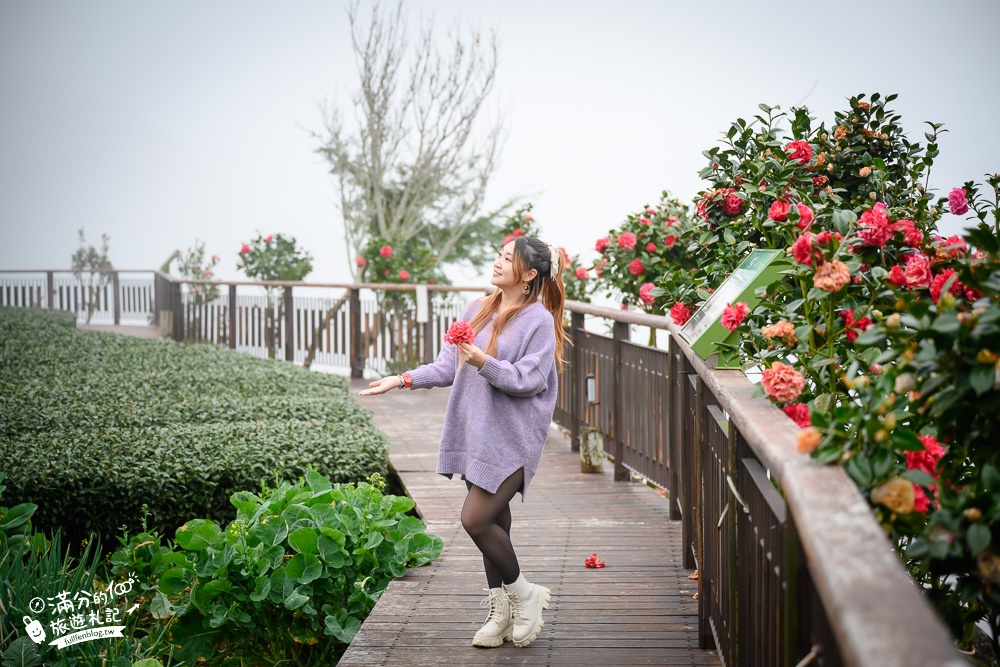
[(93, 426), (290, 580)]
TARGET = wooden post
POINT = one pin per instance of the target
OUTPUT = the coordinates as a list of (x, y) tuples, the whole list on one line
[(289, 325), (705, 638), (115, 299), (357, 356), (620, 333), (429, 331), (50, 290), (690, 472), (178, 307), (673, 439), (579, 380), (232, 317)]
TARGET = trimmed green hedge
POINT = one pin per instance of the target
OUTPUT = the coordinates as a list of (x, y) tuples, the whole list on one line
[(94, 425)]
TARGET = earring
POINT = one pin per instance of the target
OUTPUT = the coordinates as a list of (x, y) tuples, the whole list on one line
[(527, 289)]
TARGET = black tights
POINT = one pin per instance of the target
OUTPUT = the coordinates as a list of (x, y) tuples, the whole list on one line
[(486, 518)]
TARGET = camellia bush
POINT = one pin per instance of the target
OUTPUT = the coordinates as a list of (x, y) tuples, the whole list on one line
[(881, 338)]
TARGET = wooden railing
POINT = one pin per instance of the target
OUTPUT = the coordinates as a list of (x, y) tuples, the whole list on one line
[(794, 570), (356, 326)]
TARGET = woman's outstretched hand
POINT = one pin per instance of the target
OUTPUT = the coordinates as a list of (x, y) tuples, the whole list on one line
[(472, 355), (377, 387)]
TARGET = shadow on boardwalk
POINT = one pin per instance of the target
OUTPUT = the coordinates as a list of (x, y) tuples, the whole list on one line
[(638, 610)]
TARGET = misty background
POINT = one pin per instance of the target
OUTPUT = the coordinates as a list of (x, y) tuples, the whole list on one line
[(162, 123)]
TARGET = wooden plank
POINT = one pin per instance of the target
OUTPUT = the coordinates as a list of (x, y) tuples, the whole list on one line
[(637, 610)]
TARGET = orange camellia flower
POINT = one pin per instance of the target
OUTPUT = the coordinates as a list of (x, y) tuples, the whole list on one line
[(896, 494), (807, 440), (782, 382), (832, 276), (782, 330), (840, 132)]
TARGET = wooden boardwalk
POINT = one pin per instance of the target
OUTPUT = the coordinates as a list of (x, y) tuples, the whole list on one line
[(638, 610)]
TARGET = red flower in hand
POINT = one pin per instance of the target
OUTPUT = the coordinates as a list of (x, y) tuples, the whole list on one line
[(459, 332), (592, 561)]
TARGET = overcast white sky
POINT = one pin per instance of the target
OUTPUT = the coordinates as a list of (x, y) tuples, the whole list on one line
[(165, 122)]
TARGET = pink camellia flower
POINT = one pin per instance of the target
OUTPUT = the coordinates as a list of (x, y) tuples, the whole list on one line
[(650, 211), (782, 330), (216, 258), (636, 267), (581, 273), (268, 238), (733, 315), (874, 227), (782, 382), (460, 332), (799, 413), (912, 236), (951, 247), (918, 270), (732, 204), (896, 276), (206, 273), (679, 314), (958, 202), (626, 240), (518, 233), (802, 249), (244, 249), (361, 261), (528, 217), (937, 285), (404, 275), (670, 241), (385, 251), (644, 220), (650, 247), (197, 289), (824, 237), (779, 210), (644, 294), (799, 151), (832, 276), (805, 216), (671, 221), (602, 244)]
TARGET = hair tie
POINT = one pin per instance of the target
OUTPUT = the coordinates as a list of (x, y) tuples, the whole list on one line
[(553, 261)]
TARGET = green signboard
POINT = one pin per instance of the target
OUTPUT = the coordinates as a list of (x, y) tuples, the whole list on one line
[(703, 332)]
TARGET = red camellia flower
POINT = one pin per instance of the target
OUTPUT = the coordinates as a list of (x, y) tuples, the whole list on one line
[(958, 202), (404, 275), (852, 326), (799, 151), (918, 270), (626, 240), (650, 247), (670, 241), (636, 267), (385, 251), (779, 210), (680, 314), (593, 561), (799, 413), (650, 211), (460, 332), (874, 227), (507, 239), (734, 315), (951, 247), (732, 204), (937, 285), (819, 182), (518, 232), (912, 236), (644, 220), (782, 382), (644, 294), (802, 249), (244, 249), (361, 261), (805, 216), (671, 221), (601, 245), (268, 238), (927, 461), (896, 276)]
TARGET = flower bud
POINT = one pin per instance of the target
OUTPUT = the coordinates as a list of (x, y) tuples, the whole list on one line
[(865, 172), (973, 514), (807, 440), (900, 304), (862, 382), (876, 369), (965, 319), (947, 300), (881, 435), (896, 494), (986, 356), (892, 322), (889, 421), (905, 382)]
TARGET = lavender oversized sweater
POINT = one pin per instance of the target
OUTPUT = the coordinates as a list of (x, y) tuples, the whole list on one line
[(498, 418)]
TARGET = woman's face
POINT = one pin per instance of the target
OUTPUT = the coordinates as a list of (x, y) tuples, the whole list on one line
[(503, 267)]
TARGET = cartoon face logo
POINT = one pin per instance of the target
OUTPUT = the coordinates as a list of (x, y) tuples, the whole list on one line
[(34, 629)]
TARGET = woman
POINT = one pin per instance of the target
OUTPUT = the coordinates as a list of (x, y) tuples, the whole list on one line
[(497, 420)]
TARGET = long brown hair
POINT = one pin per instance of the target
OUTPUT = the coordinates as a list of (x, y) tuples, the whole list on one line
[(529, 253)]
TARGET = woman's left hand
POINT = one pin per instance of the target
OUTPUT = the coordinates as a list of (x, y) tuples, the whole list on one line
[(473, 355)]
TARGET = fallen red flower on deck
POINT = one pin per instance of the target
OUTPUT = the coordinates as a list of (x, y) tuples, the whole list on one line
[(592, 561), (460, 332)]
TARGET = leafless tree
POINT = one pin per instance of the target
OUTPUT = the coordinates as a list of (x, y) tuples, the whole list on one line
[(421, 150)]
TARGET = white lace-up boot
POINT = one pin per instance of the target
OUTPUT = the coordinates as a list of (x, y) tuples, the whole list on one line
[(498, 624), (527, 601)]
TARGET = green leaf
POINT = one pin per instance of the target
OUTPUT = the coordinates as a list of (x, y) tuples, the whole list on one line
[(905, 439), (946, 324), (860, 470), (991, 478), (344, 631), (982, 378), (978, 537), (197, 534), (22, 652), (245, 502), (918, 549), (17, 516), (295, 599), (920, 477), (303, 540), (262, 586)]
